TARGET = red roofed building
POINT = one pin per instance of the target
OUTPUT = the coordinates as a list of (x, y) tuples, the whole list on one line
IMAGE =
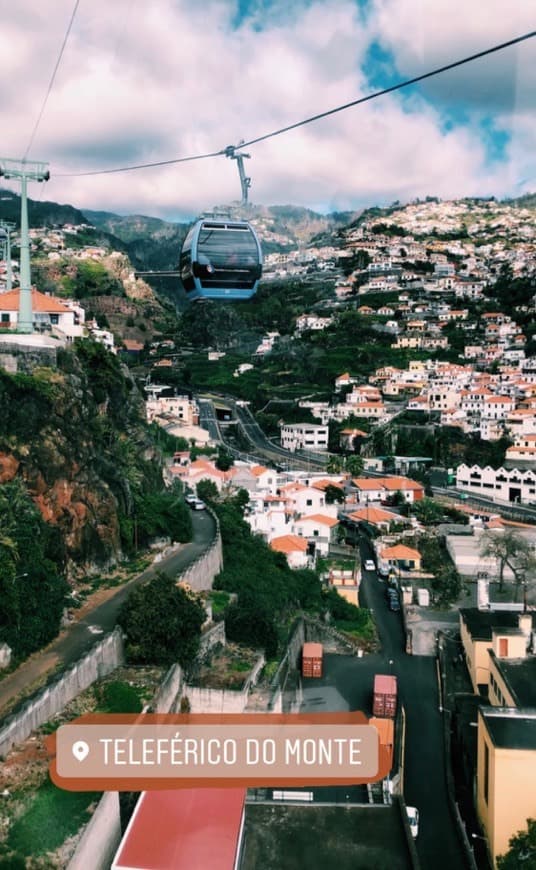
[(47, 312), (294, 548), (185, 829), (401, 556)]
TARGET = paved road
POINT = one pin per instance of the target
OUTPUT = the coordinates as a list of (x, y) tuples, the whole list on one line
[(425, 787), (79, 637), (208, 419), (524, 513), (265, 448)]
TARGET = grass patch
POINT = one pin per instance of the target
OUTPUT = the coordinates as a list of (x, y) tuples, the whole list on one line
[(51, 816), (118, 697), (220, 600)]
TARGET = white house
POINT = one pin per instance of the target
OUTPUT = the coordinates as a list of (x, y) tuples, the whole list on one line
[(304, 436), (294, 548), (319, 529)]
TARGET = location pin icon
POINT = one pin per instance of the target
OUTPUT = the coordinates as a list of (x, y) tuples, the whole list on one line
[(80, 750)]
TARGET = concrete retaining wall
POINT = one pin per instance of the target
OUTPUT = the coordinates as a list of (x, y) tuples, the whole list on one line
[(214, 636), (169, 690), (223, 700), (103, 658), (101, 836), (201, 573)]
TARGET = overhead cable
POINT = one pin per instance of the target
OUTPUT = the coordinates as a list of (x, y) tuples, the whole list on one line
[(51, 82), (397, 87)]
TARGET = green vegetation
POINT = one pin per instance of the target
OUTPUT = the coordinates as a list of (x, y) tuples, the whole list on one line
[(220, 601), (446, 584), (269, 592), (118, 697), (162, 623), (52, 814), (350, 619), (32, 588), (522, 851)]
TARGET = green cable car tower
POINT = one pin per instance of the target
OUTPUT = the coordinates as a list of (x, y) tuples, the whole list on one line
[(26, 171)]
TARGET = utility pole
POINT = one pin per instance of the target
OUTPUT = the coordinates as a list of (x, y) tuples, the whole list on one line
[(26, 171), (5, 242)]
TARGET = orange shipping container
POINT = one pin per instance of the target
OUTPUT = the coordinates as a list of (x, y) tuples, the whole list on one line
[(312, 655)]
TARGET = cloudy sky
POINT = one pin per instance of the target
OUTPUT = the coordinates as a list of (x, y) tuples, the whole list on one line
[(142, 82)]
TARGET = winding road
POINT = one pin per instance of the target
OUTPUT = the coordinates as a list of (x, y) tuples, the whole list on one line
[(99, 616)]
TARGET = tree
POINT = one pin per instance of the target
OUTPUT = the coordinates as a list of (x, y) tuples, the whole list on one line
[(246, 623), (207, 490), (512, 551), (162, 623), (333, 493), (224, 460), (522, 851)]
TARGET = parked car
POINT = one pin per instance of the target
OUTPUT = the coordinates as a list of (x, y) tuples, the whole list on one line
[(190, 498), (198, 505), (369, 565), (394, 603), (413, 819)]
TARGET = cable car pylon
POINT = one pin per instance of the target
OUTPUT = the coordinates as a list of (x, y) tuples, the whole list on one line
[(245, 180)]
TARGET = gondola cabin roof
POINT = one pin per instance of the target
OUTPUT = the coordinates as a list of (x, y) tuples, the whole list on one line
[(221, 259)]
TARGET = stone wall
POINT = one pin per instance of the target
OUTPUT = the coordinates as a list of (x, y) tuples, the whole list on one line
[(16, 358), (103, 658)]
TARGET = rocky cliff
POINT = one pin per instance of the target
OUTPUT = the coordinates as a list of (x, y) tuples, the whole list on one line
[(77, 438)]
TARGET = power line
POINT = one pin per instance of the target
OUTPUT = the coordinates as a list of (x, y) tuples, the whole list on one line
[(310, 120), (51, 83)]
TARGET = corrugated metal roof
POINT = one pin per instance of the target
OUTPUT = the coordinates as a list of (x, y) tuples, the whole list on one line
[(187, 828)]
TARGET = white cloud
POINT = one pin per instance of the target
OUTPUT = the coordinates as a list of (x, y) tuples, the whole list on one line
[(147, 82)]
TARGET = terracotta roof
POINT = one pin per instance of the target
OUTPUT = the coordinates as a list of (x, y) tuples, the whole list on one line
[(400, 551), (374, 515), (40, 302), (257, 470), (288, 544), (357, 432), (367, 483), (320, 518), (323, 484), (400, 483)]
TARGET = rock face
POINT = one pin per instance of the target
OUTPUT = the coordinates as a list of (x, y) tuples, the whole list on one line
[(76, 436)]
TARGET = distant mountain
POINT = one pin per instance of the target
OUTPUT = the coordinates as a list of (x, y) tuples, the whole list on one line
[(528, 200), (40, 212)]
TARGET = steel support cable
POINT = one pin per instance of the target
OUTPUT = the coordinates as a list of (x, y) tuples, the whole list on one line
[(52, 79), (391, 89)]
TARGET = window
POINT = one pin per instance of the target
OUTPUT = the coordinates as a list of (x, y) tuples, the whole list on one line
[(5, 318), (54, 319), (309, 502), (503, 646), (486, 772)]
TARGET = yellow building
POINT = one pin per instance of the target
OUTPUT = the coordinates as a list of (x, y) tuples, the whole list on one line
[(506, 773), (505, 632), (502, 668)]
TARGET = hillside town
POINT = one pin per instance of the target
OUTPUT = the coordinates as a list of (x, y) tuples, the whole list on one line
[(442, 559)]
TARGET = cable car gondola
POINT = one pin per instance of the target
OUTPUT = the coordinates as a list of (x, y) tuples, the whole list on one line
[(220, 259)]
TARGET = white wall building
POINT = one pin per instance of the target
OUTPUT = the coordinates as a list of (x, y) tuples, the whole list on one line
[(513, 485), (304, 436)]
